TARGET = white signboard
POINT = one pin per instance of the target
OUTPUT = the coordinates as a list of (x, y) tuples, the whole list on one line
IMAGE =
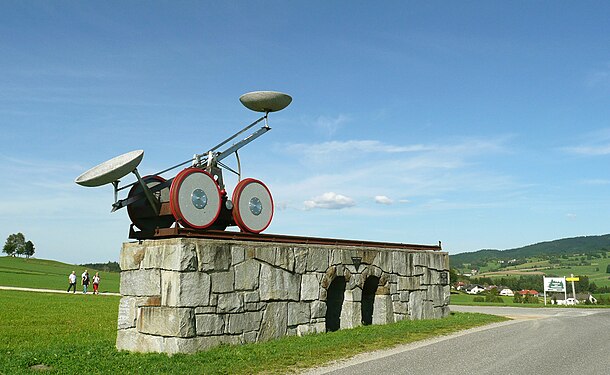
[(554, 284)]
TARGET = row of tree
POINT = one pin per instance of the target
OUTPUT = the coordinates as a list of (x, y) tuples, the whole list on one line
[(16, 245)]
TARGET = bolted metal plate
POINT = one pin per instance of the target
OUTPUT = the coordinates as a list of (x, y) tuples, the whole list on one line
[(195, 198), (199, 198), (111, 170), (256, 206), (265, 101), (253, 209)]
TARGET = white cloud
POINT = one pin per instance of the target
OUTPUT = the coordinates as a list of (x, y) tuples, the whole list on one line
[(592, 150), (358, 168), (330, 125), (353, 147), (599, 77), (382, 199), (595, 143), (331, 201), (351, 151), (598, 181)]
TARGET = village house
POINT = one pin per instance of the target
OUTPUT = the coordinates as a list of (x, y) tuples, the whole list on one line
[(586, 297), (559, 299), (474, 289), (525, 292), (460, 285)]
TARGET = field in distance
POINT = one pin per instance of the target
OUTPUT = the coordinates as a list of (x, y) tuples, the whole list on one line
[(595, 267), (49, 274)]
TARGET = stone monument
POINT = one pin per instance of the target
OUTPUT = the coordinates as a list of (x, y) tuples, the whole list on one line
[(183, 295)]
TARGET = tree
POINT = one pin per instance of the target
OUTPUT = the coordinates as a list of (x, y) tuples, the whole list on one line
[(15, 244), (29, 249), (582, 285), (608, 269), (453, 275), (493, 295), (530, 299)]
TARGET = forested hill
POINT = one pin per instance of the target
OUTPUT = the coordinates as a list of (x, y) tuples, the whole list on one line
[(567, 246)]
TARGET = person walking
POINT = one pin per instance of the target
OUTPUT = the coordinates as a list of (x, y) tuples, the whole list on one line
[(96, 283), (72, 280), (85, 281)]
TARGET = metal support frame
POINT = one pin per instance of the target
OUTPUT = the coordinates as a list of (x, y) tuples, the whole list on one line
[(208, 160), (149, 196)]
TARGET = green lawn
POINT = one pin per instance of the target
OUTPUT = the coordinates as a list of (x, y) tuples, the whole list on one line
[(596, 271), (466, 299), (48, 274), (75, 334)]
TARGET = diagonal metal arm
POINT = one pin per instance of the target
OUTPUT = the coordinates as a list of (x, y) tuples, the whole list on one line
[(242, 143), (238, 133)]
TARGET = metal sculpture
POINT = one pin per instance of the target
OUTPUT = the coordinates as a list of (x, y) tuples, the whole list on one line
[(196, 197)]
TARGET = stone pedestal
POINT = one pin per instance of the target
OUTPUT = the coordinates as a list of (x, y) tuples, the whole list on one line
[(183, 295)]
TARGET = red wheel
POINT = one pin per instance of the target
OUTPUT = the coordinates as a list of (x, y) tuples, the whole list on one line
[(141, 213), (252, 206), (194, 198)]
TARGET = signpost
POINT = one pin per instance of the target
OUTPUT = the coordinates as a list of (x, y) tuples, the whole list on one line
[(572, 279), (555, 284)]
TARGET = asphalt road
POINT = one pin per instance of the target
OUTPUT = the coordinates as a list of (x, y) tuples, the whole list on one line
[(537, 341)]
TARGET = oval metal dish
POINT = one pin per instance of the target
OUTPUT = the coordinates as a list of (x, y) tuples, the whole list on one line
[(265, 101), (111, 170)]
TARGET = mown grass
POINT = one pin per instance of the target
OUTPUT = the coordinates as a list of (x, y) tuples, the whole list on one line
[(467, 300), (75, 334), (49, 274)]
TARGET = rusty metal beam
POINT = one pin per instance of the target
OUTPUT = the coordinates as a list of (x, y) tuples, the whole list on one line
[(241, 236)]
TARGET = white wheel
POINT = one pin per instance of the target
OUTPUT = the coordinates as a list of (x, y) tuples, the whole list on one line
[(253, 206), (195, 198)]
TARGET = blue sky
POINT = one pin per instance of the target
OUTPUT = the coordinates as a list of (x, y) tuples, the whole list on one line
[(479, 124)]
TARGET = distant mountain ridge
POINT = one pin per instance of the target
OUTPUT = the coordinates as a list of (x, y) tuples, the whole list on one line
[(567, 246)]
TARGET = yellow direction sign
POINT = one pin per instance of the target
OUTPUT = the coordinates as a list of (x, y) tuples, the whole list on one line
[(572, 279)]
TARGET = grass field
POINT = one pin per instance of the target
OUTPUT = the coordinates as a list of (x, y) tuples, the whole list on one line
[(467, 299), (75, 334), (579, 265), (48, 274)]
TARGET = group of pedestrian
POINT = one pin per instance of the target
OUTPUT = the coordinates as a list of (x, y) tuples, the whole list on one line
[(85, 281)]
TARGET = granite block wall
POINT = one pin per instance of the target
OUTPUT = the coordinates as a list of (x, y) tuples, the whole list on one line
[(183, 295)]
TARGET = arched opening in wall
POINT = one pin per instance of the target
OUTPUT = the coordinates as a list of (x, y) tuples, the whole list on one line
[(334, 303), (368, 299)]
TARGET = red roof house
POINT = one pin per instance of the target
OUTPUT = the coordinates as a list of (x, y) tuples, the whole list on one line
[(532, 292)]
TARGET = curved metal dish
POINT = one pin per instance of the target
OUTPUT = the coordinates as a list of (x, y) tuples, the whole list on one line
[(111, 170), (265, 101)]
